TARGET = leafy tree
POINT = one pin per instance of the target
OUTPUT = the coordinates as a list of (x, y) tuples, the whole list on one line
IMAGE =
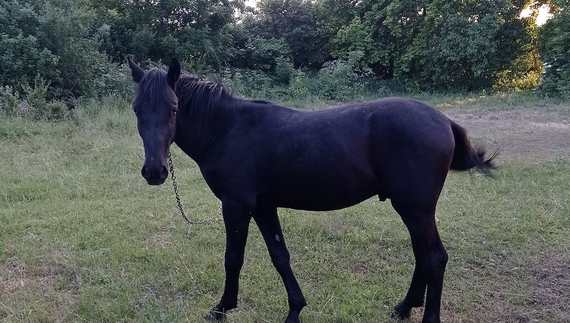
[(263, 54), (69, 30), (460, 56), (354, 43), (194, 31), (292, 21), (19, 17), (554, 46), (54, 43), (439, 44), (465, 45), (23, 61), (521, 64), (332, 15), (380, 34)]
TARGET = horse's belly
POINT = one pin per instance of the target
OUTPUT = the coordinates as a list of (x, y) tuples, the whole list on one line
[(324, 196)]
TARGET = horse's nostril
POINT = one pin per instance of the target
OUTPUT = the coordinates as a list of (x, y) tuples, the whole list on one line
[(164, 173), (144, 172), (155, 175)]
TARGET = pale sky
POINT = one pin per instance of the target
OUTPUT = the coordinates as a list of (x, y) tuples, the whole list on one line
[(543, 15)]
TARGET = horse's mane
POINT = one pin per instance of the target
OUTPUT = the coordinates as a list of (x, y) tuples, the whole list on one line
[(201, 99), (199, 95)]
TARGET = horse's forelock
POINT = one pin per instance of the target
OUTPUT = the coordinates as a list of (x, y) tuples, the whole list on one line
[(153, 85), (153, 81)]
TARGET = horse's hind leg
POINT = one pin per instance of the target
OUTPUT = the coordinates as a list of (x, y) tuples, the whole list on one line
[(431, 259), (270, 228)]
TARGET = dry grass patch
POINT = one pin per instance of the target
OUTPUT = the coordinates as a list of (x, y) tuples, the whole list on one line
[(519, 133), (550, 286), (15, 276)]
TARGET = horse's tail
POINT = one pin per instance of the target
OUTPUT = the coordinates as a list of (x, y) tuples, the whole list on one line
[(466, 157)]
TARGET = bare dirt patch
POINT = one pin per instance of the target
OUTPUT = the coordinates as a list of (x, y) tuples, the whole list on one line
[(519, 133)]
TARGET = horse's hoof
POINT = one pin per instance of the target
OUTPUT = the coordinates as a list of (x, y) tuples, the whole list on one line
[(215, 316), (431, 319), (402, 312)]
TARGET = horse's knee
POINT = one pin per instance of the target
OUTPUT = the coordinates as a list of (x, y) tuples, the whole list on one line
[(281, 260), (233, 261), (296, 302)]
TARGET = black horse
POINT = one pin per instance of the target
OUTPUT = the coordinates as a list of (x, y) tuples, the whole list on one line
[(257, 156)]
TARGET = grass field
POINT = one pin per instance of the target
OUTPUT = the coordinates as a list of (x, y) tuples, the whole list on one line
[(83, 238)]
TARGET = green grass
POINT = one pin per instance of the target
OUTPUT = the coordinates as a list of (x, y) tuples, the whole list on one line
[(83, 238)]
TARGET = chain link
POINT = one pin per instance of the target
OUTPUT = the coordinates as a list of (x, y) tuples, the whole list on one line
[(175, 185)]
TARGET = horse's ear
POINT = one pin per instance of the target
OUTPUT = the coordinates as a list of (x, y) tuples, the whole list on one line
[(174, 71), (136, 71)]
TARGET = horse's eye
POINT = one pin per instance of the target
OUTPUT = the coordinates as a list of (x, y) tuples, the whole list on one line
[(175, 110), (135, 110)]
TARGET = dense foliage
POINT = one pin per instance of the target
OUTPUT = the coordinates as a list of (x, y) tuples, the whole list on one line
[(554, 47), (61, 50)]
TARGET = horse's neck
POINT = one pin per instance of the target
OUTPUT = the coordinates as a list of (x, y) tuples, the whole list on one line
[(198, 132)]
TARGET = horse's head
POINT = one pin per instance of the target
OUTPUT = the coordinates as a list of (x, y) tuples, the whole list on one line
[(155, 105)]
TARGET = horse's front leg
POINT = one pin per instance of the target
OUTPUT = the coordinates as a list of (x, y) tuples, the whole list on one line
[(236, 220), (270, 228), (415, 295)]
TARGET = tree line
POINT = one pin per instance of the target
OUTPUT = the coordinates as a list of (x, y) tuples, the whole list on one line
[(65, 49)]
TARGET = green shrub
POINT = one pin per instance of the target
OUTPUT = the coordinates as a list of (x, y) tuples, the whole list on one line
[(299, 85), (36, 98), (338, 82), (33, 103), (9, 100)]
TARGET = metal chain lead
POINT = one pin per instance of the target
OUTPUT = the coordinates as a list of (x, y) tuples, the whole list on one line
[(175, 185)]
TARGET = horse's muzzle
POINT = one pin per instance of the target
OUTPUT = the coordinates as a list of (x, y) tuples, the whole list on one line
[(154, 175)]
